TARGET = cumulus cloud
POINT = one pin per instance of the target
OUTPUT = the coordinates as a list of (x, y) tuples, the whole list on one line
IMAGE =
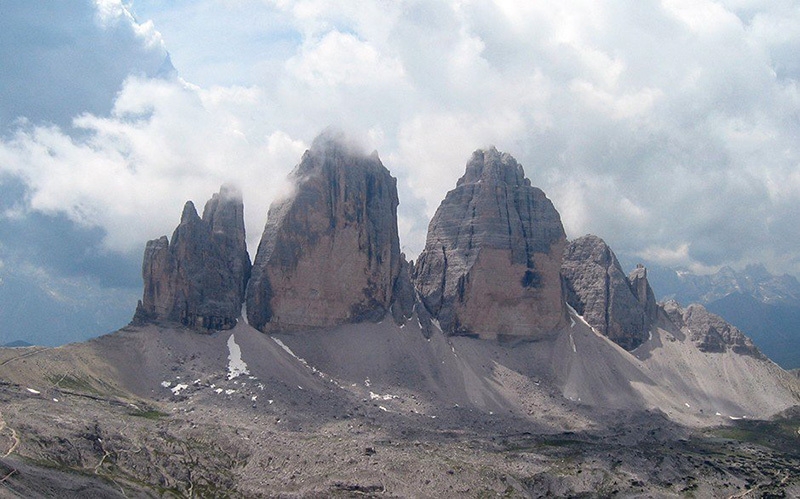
[(668, 128)]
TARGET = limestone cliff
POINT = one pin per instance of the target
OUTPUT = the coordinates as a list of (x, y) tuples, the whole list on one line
[(491, 261), (198, 279), (709, 332), (330, 252), (598, 290)]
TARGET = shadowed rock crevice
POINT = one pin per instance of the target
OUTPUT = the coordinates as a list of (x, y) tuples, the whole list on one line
[(490, 267), (198, 279)]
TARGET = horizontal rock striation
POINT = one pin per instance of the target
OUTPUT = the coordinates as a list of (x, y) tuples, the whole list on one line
[(330, 253), (491, 262), (621, 308), (198, 279)]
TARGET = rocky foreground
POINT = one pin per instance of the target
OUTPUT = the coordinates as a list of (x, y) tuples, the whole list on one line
[(507, 361), (379, 410)]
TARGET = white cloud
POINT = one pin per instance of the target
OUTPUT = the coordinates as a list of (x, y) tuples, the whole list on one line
[(653, 124)]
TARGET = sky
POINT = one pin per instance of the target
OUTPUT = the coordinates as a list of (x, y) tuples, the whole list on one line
[(669, 128)]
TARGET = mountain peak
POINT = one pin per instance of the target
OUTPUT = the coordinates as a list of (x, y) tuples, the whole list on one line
[(491, 165), (491, 261)]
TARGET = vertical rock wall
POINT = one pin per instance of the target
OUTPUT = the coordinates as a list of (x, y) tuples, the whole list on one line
[(491, 261)]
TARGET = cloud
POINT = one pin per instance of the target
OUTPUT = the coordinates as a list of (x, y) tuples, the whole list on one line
[(656, 125), (60, 59)]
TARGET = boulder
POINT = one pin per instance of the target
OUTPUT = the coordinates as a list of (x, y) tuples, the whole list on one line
[(330, 252), (199, 277), (490, 266)]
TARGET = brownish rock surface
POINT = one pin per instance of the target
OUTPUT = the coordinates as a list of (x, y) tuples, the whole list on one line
[(491, 261), (198, 279), (330, 253), (598, 290)]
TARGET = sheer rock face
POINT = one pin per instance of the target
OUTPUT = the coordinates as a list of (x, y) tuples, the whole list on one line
[(199, 278), (598, 290), (330, 253), (491, 261), (710, 332)]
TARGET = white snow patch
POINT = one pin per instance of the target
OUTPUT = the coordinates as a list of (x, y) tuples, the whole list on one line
[(571, 322), (402, 326), (436, 323), (718, 414), (196, 382), (366, 382), (177, 388), (35, 392), (576, 314), (236, 366), (244, 313), (253, 398), (572, 343), (229, 392), (287, 349), (376, 396), (218, 390), (270, 401), (383, 408), (55, 400), (166, 384), (686, 404)]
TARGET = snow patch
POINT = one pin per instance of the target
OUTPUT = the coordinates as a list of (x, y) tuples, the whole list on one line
[(244, 313), (35, 392), (686, 404), (376, 396), (572, 343), (218, 390), (229, 392), (166, 384), (236, 366), (177, 388)]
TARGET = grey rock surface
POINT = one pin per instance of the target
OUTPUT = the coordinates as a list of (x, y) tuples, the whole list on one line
[(329, 253), (491, 261), (598, 290), (710, 332), (198, 279)]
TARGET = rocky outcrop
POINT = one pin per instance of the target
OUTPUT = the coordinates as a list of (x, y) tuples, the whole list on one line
[(709, 332), (491, 261), (330, 253), (198, 279), (644, 293), (597, 288)]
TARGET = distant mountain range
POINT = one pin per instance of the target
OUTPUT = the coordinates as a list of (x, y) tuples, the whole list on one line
[(765, 306)]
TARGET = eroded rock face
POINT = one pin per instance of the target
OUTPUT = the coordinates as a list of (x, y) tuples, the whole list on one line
[(491, 261), (710, 332), (330, 253), (598, 289), (198, 279)]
